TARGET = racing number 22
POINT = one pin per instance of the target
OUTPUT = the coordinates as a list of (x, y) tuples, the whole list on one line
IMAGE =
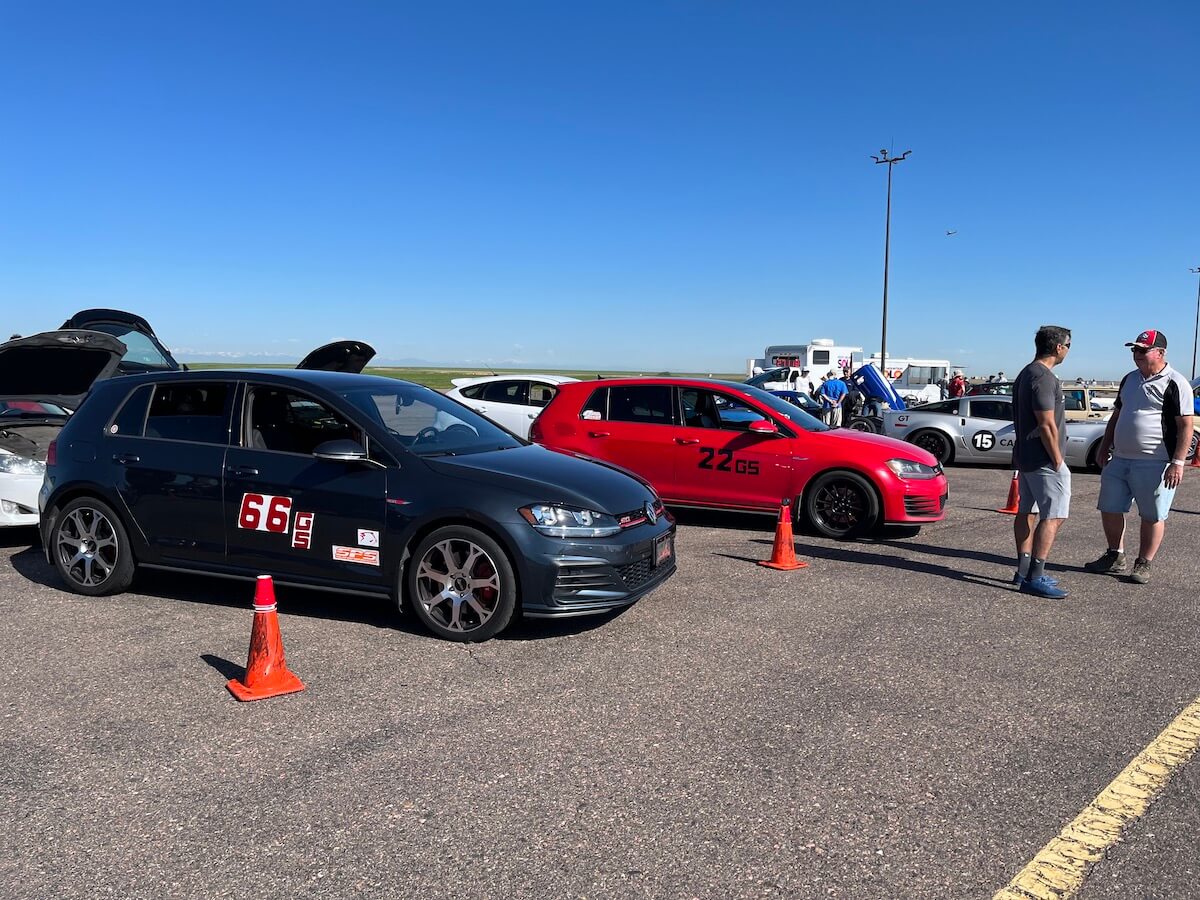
[(726, 462), (262, 512)]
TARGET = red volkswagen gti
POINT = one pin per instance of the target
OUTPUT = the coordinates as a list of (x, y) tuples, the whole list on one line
[(722, 445)]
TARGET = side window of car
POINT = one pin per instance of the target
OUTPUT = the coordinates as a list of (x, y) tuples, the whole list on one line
[(649, 404), (991, 409), (284, 421), (540, 393), (190, 411), (945, 407), (736, 415), (596, 406), (131, 417), (1073, 400), (699, 409), (505, 392), (473, 392)]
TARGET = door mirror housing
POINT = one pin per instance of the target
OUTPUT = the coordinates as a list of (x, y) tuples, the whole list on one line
[(762, 426), (341, 451)]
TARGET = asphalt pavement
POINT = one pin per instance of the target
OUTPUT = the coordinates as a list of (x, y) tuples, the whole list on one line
[(893, 721)]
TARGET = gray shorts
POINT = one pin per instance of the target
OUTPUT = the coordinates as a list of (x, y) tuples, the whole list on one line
[(1046, 492)]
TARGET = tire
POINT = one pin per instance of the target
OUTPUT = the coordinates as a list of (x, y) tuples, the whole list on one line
[(90, 548), (461, 585), (841, 505), (934, 442), (867, 424), (1191, 454)]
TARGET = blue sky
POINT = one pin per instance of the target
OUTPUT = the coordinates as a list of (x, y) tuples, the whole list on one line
[(650, 185)]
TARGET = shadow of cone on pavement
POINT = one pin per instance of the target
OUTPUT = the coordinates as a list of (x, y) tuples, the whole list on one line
[(783, 554), (266, 673), (1014, 496)]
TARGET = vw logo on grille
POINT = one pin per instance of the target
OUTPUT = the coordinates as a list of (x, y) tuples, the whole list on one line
[(650, 513)]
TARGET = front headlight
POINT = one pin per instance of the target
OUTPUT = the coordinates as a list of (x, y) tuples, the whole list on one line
[(12, 464), (569, 522), (910, 468)]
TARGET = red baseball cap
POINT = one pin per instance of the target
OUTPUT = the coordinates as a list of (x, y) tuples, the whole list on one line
[(1148, 340)]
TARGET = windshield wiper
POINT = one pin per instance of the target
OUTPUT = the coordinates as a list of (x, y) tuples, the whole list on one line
[(438, 453)]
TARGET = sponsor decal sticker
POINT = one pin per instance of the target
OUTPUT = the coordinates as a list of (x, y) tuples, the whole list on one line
[(591, 415), (263, 512), (302, 532), (368, 538), (356, 555)]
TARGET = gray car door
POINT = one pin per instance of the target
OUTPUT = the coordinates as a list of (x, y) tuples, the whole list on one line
[(987, 429)]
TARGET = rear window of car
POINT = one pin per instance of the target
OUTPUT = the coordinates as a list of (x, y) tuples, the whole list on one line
[(195, 411), (650, 404), (131, 416), (505, 392)]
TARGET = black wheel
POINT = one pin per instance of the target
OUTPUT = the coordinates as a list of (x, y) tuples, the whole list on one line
[(841, 505), (90, 548), (866, 423), (936, 443), (461, 585)]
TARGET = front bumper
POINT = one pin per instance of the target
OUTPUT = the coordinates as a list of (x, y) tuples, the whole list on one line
[(565, 578), (916, 502), (19, 499)]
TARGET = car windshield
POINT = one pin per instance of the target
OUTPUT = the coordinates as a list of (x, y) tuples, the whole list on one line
[(768, 375), (142, 354), (785, 410), (428, 423)]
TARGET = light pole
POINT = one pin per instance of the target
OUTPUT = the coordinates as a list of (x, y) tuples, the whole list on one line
[(887, 245), (1196, 331)]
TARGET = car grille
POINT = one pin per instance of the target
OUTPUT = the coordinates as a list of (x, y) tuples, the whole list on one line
[(636, 574), (924, 506)]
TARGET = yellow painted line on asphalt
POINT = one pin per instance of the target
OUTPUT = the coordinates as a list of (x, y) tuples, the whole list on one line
[(1059, 869)]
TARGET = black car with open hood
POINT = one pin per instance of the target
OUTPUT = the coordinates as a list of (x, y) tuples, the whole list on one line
[(144, 352)]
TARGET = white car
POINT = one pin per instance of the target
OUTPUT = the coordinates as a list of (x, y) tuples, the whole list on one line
[(511, 401)]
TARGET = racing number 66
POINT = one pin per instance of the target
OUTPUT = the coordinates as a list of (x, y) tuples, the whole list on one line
[(263, 512)]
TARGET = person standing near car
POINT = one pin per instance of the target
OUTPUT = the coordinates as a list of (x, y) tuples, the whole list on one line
[(1044, 481), (833, 392), (1149, 434), (958, 385)]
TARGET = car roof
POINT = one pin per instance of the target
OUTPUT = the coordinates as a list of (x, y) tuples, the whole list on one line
[(512, 376), (670, 381), (330, 381)]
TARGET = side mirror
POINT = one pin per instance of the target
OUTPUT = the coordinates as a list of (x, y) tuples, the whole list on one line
[(762, 426), (341, 451)]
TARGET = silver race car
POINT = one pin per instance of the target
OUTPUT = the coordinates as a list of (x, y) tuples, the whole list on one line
[(979, 429)]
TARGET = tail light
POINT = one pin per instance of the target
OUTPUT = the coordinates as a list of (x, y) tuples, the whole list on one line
[(52, 453), (535, 430)]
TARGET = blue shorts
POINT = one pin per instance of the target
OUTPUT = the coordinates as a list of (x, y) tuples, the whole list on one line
[(1124, 480)]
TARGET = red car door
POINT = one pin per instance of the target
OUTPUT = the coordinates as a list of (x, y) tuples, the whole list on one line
[(632, 425), (720, 461)]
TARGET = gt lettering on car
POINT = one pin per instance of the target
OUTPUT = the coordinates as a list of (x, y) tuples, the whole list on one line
[(356, 555), (983, 440), (302, 533), (264, 512), (726, 462)]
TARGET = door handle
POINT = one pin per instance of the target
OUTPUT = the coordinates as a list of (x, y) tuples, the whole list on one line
[(126, 459), (532, 415), (482, 409), (241, 471), (687, 440), (598, 434)]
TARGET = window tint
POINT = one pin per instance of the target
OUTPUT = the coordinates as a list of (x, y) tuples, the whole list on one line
[(947, 407), (288, 422), (991, 409), (597, 405), (193, 411), (540, 393), (129, 420), (505, 392), (473, 392), (647, 403), (699, 409)]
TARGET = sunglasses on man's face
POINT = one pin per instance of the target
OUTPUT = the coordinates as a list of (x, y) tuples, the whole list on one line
[(1142, 350)]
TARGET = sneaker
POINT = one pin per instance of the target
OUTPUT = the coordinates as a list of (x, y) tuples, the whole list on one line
[(1043, 586), (1018, 578), (1111, 563), (1141, 571)]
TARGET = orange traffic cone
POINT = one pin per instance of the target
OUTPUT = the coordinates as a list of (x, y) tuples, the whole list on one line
[(267, 674), (1014, 495), (1195, 463), (783, 554)]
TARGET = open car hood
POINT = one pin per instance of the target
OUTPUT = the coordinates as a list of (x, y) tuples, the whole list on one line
[(340, 356), (88, 318), (57, 366)]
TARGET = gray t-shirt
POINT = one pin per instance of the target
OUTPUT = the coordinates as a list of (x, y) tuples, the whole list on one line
[(1036, 388), (1148, 423)]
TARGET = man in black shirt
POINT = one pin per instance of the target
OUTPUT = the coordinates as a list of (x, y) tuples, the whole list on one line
[(1040, 439)]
